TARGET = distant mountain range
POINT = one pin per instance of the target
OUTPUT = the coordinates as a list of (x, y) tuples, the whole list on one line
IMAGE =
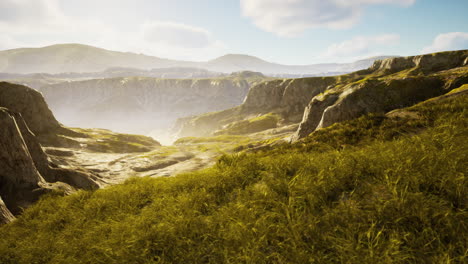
[(78, 58)]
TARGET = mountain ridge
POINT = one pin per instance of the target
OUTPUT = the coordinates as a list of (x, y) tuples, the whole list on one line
[(74, 57)]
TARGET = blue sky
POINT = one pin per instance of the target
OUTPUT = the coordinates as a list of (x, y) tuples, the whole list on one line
[(283, 31)]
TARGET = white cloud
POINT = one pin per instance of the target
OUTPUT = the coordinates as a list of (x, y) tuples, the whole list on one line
[(360, 47), (28, 10), (35, 23), (448, 41), (175, 40), (292, 17), (174, 34), (39, 16)]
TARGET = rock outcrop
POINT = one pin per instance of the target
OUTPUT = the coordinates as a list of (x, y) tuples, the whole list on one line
[(140, 104), (31, 105), (427, 63), (19, 177), (389, 84), (321, 101), (25, 170), (285, 97), (5, 215)]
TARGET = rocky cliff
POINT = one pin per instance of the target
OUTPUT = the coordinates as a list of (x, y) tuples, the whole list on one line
[(5, 215), (389, 84), (31, 105), (321, 101), (285, 97), (26, 172), (139, 104), (19, 176), (427, 63)]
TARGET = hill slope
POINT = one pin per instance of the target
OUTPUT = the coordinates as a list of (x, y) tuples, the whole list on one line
[(378, 189), (73, 58)]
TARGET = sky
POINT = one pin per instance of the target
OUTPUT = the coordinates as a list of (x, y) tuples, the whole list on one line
[(294, 32)]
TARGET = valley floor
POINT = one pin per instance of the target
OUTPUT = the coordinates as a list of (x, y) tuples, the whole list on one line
[(114, 166)]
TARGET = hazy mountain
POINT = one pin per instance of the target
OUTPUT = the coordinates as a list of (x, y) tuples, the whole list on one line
[(83, 58), (73, 58), (37, 80)]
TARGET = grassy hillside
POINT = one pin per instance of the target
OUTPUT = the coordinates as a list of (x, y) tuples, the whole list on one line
[(378, 189)]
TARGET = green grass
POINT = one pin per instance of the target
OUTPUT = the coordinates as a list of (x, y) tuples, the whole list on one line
[(102, 140), (252, 125), (371, 190)]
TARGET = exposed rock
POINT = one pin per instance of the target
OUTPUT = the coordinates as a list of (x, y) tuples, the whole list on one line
[(425, 63), (379, 96), (390, 84), (19, 176), (140, 104), (313, 114), (31, 105), (5, 215), (285, 97), (156, 165), (75, 178), (25, 170), (59, 152)]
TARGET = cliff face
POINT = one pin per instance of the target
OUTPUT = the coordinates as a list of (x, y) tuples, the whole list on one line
[(31, 105), (389, 84), (322, 101), (286, 97), (5, 215), (25, 170), (427, 63), (139, 104), (19, 177)]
